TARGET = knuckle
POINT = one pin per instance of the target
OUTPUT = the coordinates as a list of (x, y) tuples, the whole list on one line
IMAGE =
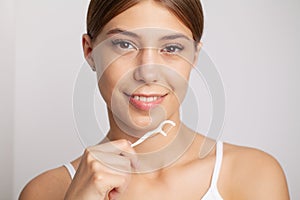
[(89, 155), (123, 142), (99, 181), (94, 165), (97, 178), (88, 149), (125, 145)]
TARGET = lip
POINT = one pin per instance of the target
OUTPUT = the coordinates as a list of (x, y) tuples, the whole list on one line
[(145, 102)]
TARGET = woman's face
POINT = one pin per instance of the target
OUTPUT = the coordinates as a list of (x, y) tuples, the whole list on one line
[(143, 58)]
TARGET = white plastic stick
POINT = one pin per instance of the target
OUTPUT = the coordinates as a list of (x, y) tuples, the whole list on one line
[(155, 131)]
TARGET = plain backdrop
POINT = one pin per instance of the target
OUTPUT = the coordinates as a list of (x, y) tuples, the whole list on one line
[(254, 44)]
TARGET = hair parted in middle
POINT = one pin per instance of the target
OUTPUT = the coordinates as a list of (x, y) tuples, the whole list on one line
[(100, 12)]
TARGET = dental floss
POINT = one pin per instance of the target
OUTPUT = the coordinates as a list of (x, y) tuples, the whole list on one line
[(157, 130)]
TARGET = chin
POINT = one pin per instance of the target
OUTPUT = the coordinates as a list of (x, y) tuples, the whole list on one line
[(141, 122), (136, 123)]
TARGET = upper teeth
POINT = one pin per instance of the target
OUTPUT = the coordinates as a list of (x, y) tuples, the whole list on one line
[(145, 99)]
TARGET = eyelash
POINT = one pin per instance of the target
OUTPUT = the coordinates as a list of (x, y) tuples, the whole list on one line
[(176, 48), (167, 49), (120, 42)]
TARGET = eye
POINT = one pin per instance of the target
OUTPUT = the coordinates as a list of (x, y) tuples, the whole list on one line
[(171, 49), (123, 44)]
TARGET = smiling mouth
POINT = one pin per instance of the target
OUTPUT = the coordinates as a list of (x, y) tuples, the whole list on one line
[(146, 102), (145, 99)]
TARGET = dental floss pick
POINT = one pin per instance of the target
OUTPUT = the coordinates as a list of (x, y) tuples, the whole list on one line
[(155, 131)]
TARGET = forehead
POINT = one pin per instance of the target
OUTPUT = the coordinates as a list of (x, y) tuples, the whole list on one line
[(144, 15)]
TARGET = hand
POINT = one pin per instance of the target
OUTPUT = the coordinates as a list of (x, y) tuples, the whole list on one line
[(104, 172)]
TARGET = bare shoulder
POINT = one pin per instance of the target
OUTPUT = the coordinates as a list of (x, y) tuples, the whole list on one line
[(255, 174), (51, 184)]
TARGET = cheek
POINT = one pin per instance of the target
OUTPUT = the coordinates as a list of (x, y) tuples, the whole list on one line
[(108, 82), (114, 78), (180, 65), (181, 71), (184, 69), (103, 84), (179, 79)]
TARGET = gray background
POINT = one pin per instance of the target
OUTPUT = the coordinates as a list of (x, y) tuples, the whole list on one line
[(255, 45)]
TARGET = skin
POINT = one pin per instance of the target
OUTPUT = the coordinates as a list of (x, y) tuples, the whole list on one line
[(245, 174)]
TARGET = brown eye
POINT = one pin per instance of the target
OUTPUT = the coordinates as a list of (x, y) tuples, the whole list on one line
[(172, 49), (122, 44), (125, 45)]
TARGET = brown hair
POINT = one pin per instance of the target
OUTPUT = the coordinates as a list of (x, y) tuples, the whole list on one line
[(100, 12)]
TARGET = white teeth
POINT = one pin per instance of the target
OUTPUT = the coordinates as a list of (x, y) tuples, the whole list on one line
[(149, 99), (145, 99)]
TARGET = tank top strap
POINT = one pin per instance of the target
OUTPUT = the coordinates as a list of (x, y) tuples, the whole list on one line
[(218, 163), (70, 169)]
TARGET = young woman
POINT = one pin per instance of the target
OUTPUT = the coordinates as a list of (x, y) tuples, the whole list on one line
[(143, 52)]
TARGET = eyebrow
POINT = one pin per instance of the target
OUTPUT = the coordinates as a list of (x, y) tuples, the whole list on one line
[(175, 36), (123, 32), (134, 35)]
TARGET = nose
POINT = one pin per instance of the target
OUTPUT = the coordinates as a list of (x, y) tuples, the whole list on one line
[(148, 69)]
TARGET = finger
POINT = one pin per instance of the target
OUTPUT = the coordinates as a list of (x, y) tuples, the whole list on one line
[(113, 161), (106, 182), (118, 147)]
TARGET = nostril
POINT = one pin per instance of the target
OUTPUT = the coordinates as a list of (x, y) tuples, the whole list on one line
[(147, 73)]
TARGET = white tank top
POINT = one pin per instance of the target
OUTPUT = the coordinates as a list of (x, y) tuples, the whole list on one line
[(211, 194)]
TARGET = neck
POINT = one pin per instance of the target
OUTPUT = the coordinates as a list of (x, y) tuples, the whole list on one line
[(153, 143), (158, 151)]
